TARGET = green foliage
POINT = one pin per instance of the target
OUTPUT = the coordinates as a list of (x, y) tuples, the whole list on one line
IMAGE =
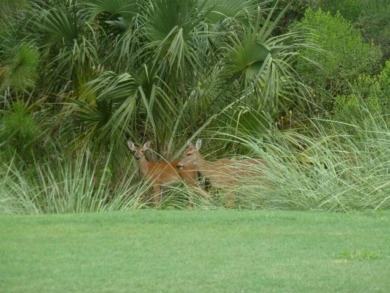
[(261, 64), (60, 185), (384, 86), (160, 70), (370, 17), (340, 166), (19, 131), (9, 8), (345, 55), (375, 27), (355, 110), (373, 92), (342, 170), (349, 9), (190, 63), (68, 45), (19, 67), (126, 9), (169, 71)]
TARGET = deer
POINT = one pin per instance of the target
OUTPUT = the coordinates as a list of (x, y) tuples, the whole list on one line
[(161, 174), (224, 173)]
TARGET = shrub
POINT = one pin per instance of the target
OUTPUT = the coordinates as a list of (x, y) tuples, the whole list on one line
[(374, 91), (345, 55), (19, 69), (349, 9), (370, 17), (384, 84), (19, 131)]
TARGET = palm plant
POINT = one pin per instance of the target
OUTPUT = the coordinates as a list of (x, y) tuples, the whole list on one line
[(261, 63), (164, 70), (68, 44), (195, 58)]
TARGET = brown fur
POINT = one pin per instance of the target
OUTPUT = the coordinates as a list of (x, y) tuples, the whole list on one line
[(161, 174), (223, 173)]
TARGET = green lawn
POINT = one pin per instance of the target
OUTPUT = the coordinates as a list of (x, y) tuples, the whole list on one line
[(196, 251)]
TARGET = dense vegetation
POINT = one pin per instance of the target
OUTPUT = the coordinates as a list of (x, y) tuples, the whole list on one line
[(303, 85)]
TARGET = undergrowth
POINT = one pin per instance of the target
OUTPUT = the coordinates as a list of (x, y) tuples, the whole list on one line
[(329, 165)]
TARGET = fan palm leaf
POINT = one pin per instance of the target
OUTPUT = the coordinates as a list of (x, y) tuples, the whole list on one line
[(58, 25), (68, 43), (261, 62), (123, 8), (220, 10), (173, 30)]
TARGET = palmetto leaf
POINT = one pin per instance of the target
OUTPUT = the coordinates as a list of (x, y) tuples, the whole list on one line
[(261, 62), (173, 29), (124, 8), (247, 55), (121, 101), (113, 87), (68, 44), (77, 60), (219, 10), (59, 25), (104, 120)]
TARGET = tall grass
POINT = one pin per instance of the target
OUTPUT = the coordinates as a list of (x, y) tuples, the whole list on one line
[(70, 186), (341, 167), (331, 165)]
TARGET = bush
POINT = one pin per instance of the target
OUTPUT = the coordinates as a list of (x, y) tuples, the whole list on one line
[(345, 55), (374, 91), (349, 9), (384, 85), (19, 69), (370, 17), (19, 131)]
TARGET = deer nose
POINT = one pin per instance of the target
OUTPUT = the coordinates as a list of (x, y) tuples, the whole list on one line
[(179, 166)]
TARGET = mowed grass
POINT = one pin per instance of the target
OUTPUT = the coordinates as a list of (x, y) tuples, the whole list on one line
[(196, 251)]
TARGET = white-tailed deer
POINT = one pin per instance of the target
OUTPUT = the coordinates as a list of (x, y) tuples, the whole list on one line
[(160, 174), (223, 173)]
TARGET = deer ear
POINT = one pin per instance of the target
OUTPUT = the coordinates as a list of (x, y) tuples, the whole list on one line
[(131, 145), (198, 144), (147, 145)]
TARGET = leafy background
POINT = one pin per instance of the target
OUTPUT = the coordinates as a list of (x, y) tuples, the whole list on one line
[(304, 85)]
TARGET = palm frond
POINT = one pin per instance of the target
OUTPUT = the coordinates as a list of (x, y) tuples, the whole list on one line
[(220, 10), (58, 25), (173, 30), (123, 8), (261, 62)]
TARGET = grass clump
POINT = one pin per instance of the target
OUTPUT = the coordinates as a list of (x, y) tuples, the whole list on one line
[(334, 172), (62, 186), (329, 165)]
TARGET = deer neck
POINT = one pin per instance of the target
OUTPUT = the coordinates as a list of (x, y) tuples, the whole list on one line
[(144, 165), (202, 165)]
